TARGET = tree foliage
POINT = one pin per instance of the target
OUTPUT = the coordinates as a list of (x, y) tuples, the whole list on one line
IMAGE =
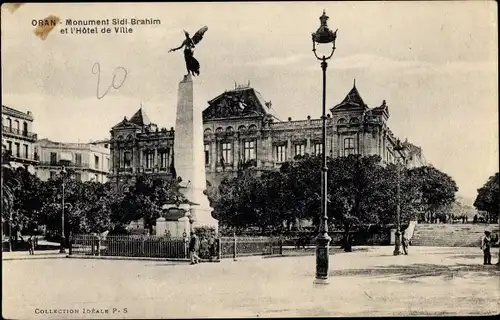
[(488, 197)]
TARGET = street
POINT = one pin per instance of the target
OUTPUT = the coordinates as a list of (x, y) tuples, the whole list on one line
[(369, 281)]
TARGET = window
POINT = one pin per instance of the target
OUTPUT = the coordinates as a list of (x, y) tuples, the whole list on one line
[(9, 145), (9, 122), (348, 146), (149, 159), (108, 164), (96, 160), (164, 159), (227, 154), (249, 150), (78, 176), (207, 154), (52, 175), (16, 123), (300, 149), (18, 149), (53, 158), (78, 159), (25, 128), (318, 148), (25, 149), (127, 158), (280, 153)]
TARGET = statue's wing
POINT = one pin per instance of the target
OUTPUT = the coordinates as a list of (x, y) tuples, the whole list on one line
[(199, 35)]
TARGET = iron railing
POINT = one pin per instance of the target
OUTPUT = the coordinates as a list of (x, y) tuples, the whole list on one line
[(167, 247), (19, 132), (129, 246)]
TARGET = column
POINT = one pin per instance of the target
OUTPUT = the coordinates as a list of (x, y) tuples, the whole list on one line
[(236, 153), (155, 161), (213, 154), (363, 138), (289, 149), (308, 145)]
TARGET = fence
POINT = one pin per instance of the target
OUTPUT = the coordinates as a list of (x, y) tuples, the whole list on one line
[(233, 247), (164, 247), (129, 246)]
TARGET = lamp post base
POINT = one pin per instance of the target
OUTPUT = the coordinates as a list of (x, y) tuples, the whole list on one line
[(321, 281), (397, 245), (322, 258)]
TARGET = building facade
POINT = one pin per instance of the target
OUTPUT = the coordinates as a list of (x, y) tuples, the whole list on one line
[(90, 161), (239, 125), (18, 137)]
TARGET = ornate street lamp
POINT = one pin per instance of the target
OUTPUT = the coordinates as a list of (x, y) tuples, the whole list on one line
[(323, 36), (397, 243), (63, 238)]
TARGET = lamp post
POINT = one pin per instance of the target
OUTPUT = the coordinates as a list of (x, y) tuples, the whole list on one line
[(63, 238), (397, 243), (323, 36)]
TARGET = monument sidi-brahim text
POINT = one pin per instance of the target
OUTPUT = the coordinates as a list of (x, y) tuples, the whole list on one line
[(106, 26)]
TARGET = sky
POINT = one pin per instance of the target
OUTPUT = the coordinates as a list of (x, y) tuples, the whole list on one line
[(435, 63)]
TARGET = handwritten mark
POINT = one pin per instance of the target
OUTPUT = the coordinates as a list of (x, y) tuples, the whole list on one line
[(45, 26), (96, 69), (12, 7)]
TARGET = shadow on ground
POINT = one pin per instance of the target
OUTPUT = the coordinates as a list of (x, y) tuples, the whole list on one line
[(415, 271)]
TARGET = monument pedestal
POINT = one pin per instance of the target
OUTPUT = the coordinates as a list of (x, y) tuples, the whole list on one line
[(189, 156)]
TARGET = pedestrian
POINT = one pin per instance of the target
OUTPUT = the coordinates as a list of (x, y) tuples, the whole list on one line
[(194, 246), (466, 219), (405, 244), (485, 246), (31, 243), (211, 247)]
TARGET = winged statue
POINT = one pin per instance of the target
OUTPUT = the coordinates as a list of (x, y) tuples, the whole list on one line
[(192, 65)]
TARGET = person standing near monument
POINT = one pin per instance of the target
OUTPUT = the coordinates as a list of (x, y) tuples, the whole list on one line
[(194, 246), (485, 246)]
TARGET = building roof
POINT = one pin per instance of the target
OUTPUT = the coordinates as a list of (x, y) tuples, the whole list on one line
[(16, 113), (352, 100), (140, 118), (241, 101)]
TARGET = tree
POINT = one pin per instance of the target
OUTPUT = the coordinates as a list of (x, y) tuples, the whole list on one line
[(146, 198), (436, 187), (488, 197)]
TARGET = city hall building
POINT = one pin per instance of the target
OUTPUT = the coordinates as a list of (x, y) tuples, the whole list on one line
[(240, 125)]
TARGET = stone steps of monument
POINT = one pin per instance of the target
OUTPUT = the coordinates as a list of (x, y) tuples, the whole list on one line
[(450, 235)]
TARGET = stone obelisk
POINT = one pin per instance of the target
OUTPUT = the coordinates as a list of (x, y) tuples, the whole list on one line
[(189, 158)]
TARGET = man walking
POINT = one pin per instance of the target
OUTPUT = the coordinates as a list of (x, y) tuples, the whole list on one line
[(405, 244), (31, 243), (194, 246), (485, 246)]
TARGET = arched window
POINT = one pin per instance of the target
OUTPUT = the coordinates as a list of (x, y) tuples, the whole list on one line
[(354, 120), (252, 128), (129, 137), (341, 121), (219, 129), (229, 129), (208, 131), (242, 128)]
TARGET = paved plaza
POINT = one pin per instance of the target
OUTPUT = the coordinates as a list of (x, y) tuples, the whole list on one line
[(370, 281)]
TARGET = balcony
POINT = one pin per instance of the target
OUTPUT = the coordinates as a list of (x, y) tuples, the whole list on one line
[(19, 133), (68, 165)]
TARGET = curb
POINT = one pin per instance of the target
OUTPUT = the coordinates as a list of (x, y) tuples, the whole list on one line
[(125, 258), (135, 258), (32, 258)]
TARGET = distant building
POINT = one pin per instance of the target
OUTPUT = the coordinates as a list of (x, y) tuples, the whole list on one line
[(239, 125), (18, 137), (90, 161)]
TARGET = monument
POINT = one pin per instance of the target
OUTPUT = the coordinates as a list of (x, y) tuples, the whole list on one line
[(189, 158)]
